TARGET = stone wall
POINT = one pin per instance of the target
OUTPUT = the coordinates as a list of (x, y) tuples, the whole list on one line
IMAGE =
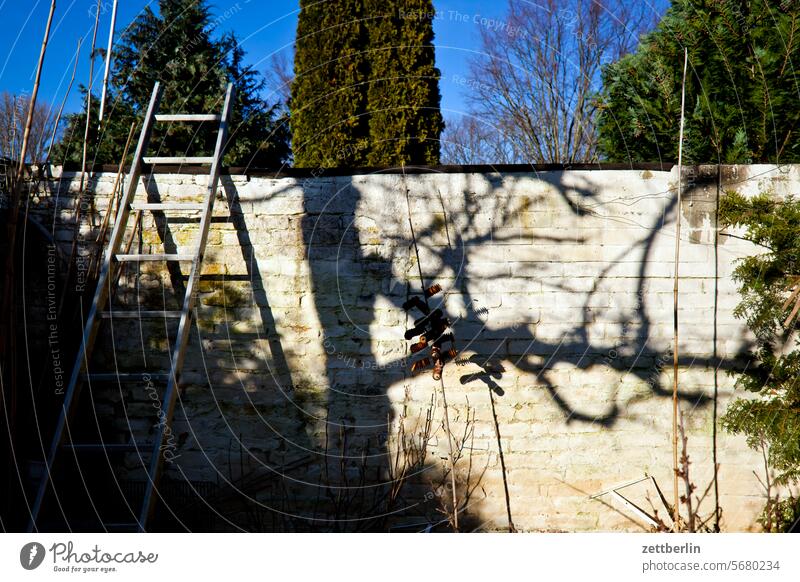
[(558, 285)]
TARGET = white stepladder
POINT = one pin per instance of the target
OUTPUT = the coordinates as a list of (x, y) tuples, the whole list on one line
[(116, 255)]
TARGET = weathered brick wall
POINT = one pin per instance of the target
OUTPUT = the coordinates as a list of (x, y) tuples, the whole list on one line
[(559, 289)]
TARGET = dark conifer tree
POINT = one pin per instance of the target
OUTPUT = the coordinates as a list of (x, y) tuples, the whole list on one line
[(177, 48), (329, 128), (741, 92), (403, 93), (366, 88)]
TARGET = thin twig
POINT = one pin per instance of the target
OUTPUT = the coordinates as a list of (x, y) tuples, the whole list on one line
[(452, 461)]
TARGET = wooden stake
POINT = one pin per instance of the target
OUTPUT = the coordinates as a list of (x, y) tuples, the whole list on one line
[(676, 508), (88, 103), (29, 120), (79, 202), (7, 327), (63, 102), (108, 61), (113, 201)]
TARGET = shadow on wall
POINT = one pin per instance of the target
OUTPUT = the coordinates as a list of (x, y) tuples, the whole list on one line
[(333, 433), (347, 469), (363, 268)]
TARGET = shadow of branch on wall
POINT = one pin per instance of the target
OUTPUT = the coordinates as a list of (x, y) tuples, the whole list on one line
[(353, 260), (313, 424)]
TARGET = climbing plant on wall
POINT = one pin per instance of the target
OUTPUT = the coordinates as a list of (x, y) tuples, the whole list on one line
[(769, 283)]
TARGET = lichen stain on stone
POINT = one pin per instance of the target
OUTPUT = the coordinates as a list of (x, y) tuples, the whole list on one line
[(439, 223), (730, 175), (224, 294)]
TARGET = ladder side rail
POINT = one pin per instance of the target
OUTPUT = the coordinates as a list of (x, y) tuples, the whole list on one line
[(184, 327), (100, 296)]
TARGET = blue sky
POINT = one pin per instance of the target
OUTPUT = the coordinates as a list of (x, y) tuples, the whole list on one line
[(264, 27)]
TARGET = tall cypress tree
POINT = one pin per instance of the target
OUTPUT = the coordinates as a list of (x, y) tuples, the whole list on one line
[(403, 94), (328, 102), (366, 89)]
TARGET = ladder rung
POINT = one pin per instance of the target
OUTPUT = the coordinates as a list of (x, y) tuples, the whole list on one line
[(187, 117), (168, 206), (139, 314), (127, 376), (156, 257), (179, 160), (108, 447)]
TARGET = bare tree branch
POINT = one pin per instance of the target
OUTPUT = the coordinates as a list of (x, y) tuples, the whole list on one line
[(13, 113), (536, 78)]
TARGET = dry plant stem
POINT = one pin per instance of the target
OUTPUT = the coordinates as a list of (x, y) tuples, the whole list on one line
[(29, 120), (792, 315), (717, 362), (694, 521), (450, 454), (89, 101), (64, 101), (767, 485), (46, 161), (416, 250), (676, 516), (687, 483), (349, 497), (8, 367), (795, 288)]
